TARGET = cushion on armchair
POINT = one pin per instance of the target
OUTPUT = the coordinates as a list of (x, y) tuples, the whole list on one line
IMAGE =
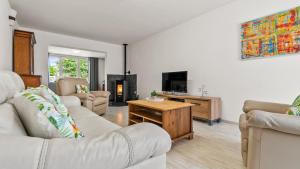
[(99, 100), (295, 108), (81, 88)]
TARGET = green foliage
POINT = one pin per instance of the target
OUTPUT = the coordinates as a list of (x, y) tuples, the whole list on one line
[(84, 68), (69, 67), (53, 70), (153, 93)]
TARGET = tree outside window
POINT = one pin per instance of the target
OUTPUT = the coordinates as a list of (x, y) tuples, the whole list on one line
[(84, 68), (68, 67), (53, 68)]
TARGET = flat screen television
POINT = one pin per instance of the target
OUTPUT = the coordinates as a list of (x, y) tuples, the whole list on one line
[(174, 81)]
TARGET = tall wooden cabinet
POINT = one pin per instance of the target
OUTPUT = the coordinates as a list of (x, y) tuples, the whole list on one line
[(23, 52), (23, 57)]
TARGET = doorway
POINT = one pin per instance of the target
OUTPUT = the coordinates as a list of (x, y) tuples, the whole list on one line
[(76, 63)]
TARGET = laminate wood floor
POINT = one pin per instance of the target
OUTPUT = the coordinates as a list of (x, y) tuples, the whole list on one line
[(213, 147)]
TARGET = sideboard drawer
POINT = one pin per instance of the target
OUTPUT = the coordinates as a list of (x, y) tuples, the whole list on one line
[(200, 109), (199, 113)]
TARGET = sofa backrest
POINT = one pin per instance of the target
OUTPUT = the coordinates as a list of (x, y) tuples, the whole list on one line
[(10, 123), (66, 86), (10, 84)]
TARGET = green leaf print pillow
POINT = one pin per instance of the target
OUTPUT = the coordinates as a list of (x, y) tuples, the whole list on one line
[(50, 96), (295, 108), (54, 99), (41, 118)]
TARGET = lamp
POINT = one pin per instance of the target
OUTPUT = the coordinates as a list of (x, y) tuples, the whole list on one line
[(12, 17)]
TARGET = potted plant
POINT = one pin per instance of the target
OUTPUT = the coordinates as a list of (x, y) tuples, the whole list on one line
[(153, 93)]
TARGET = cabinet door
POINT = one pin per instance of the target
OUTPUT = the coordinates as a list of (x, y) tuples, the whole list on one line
[(22, 54), (200, 109)]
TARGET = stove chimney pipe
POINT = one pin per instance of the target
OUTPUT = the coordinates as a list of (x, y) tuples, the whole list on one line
[(125, 60)]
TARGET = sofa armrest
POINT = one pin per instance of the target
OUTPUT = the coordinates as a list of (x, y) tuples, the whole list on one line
[(116, 150), (250, 105), (274, 121), (84, 96), (243, 125), (100, 93), (69, 101)]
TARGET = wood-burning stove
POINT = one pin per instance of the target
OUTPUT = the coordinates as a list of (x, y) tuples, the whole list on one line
[(121, 91)]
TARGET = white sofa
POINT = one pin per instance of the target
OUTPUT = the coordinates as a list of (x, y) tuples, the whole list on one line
[(105, 145)]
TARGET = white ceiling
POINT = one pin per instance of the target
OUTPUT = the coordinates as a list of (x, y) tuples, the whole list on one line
[(75, 52), (116, 21)]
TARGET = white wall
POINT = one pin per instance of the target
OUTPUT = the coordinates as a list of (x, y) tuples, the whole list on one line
[(113, 61), (6, 37), (208, 47)]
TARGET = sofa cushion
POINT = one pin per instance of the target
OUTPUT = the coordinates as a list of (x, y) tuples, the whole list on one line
[(10, 84), (10, 122), (99, 100), (101, 93), (41, 118), (90, 123)]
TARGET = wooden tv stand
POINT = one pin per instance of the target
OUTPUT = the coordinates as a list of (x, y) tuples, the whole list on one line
[(205, 108), (174, 117)]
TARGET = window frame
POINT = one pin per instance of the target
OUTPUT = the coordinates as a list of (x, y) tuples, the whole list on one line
[(60, 68)]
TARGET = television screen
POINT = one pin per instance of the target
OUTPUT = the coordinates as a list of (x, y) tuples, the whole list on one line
[(174, 81)]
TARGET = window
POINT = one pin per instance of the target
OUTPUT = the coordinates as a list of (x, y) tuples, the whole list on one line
[(84, 68), (64, 66), (53, 68)]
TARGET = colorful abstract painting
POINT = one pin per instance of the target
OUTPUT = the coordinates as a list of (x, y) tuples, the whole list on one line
[(273, 35)]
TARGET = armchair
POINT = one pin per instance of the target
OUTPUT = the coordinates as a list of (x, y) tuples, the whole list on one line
[(96, 101), (270, 137)]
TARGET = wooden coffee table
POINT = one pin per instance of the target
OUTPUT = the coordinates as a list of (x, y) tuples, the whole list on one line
[(174, 117)]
